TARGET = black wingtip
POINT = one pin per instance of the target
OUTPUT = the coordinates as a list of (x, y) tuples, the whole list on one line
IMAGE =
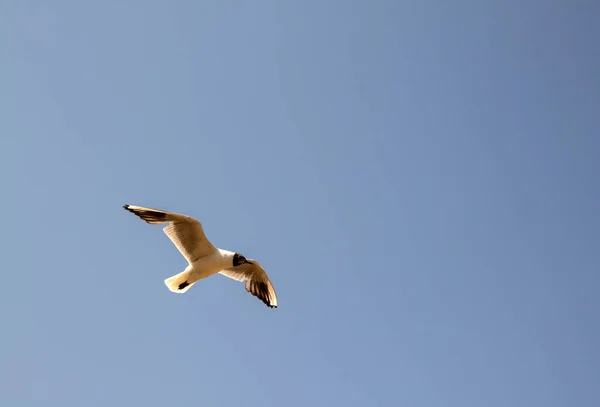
[(183, 285)]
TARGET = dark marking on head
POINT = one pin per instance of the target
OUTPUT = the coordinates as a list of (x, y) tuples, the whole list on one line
[(183, 285), (239, 259)]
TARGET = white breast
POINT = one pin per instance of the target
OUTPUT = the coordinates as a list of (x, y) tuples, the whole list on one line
[(209, 265)]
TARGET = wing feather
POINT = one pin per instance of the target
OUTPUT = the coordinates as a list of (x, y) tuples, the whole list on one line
[(185, 232), (257, 281)]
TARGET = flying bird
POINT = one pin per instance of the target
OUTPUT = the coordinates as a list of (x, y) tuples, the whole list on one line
[(204, 259)]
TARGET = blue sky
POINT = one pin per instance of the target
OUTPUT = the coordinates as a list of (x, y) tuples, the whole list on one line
[(418, 178)]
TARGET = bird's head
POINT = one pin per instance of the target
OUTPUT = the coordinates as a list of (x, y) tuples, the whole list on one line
[(239, 259)]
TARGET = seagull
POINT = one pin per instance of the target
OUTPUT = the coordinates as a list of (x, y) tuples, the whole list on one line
[(204, 259)]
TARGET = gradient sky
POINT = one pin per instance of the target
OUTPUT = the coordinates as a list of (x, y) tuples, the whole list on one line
[(418, 178)]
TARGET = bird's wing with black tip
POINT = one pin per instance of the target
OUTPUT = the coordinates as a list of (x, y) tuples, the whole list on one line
[(257, 281), (185, 232)]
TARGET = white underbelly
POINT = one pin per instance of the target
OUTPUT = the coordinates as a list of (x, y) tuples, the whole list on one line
[(207, 266)]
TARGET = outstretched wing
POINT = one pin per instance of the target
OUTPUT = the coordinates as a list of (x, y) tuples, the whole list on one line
[(185, 232), (257, 281)]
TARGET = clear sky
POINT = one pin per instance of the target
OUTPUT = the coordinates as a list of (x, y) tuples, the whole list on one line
[(418, 178)]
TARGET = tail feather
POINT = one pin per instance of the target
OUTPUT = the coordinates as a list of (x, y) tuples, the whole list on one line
[(179, 282)]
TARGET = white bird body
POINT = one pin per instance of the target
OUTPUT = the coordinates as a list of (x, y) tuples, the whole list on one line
[(202, 268), (204, 259)]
